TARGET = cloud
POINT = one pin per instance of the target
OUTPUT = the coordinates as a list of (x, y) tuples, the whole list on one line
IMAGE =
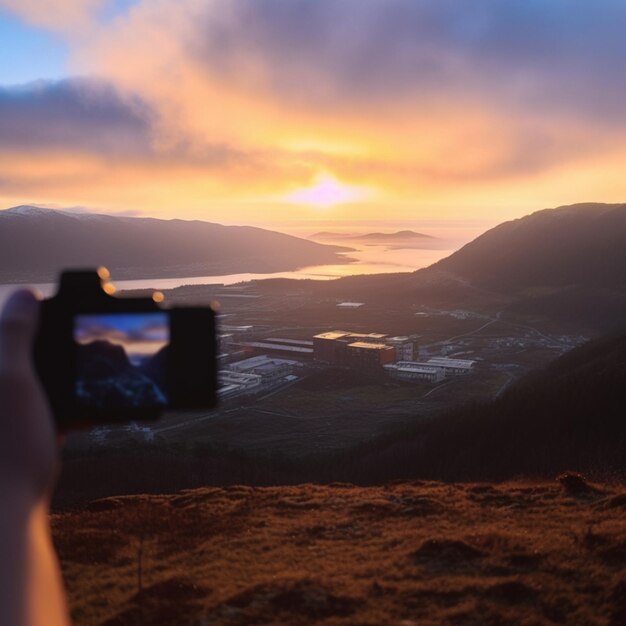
[(248, 99), (359, 53), (94, 118), (373, 76), (78, 114), (87, 142), (64, 16)]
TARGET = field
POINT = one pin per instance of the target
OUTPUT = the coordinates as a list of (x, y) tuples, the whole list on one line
[(408, 553)]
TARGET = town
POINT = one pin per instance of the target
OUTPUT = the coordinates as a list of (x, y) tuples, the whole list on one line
[(300, 373), (277, 361)]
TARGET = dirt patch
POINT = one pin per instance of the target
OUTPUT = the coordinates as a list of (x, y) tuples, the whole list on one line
[(278, 601), (512, 592), (618, 604), (614, 502), (523, 560), (446, 553), (575, 484), (614, 555)]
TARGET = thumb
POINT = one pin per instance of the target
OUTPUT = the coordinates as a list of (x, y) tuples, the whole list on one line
[(18, 324)]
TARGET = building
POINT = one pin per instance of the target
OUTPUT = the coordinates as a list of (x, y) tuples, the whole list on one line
[(365, 355), (443, 366), (269, 369), (235, 383), (247, 381), (451, 367), (332, 347), (410, 370), (303, 343), (292, 348), (236, 329), (405, 348)]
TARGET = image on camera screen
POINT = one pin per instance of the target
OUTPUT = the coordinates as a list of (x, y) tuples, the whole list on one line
[(121, 360)]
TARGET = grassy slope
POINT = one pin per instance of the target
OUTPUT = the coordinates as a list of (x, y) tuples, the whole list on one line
[(408, 553), (569, 414)]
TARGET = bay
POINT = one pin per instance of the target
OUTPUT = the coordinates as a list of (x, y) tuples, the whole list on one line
[(373, 259)]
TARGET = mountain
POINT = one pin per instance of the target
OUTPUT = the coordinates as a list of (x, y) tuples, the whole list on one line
[(155, 367), (581, 244), (397, 237), (106, 379), (401, 235), (566, 264), (101, 359), (35, 244)]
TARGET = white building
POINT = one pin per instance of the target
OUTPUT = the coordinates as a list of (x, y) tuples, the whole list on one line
[(410, 370), (451, 367), (270, 370), (404, 348), (287, 349), (245, 381), (236, 383)]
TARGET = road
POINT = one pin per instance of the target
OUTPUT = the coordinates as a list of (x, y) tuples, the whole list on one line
[(505, 385), (189, 422), (449, 382), (493, 320)]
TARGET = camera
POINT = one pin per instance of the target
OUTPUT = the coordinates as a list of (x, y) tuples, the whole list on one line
[(104, 360)]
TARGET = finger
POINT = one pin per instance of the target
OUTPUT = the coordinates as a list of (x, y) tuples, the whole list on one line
[(18, 324)]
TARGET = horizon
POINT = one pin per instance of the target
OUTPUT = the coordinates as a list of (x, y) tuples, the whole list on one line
[(442, 112), (456, 231), (139, 334)]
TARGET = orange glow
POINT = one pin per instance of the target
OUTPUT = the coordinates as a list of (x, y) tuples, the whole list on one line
[(326, 192), (255, 131)]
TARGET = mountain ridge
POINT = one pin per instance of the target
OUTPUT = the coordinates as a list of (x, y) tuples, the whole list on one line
[(36, 243), (566, 264), (399, 235), (575, 244)]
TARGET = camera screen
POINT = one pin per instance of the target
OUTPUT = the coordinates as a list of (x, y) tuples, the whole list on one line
[(121, 360)]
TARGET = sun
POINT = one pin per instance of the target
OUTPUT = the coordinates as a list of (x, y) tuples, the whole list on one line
[(326, 192)]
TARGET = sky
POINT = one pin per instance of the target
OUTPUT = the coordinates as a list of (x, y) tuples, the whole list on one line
[(298, 112), (139, 334)]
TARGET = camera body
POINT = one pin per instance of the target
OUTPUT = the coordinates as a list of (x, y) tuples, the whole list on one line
[(103, 359)]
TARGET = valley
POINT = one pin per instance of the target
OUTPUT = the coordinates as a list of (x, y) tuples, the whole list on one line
[(315, 409), (288, 413)]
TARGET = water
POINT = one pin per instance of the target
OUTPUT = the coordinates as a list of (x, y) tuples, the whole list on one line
[(369, 260)]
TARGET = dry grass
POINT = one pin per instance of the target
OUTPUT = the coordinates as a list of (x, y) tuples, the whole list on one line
[(410, 554)]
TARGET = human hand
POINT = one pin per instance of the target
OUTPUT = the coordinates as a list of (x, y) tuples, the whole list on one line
[(31, 590), (28, 449)]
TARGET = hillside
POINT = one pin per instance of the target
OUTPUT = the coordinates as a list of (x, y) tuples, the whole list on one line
[(569, 414), (567, 265), (403, 554), (35, 244), (581, 244), (566, 416)]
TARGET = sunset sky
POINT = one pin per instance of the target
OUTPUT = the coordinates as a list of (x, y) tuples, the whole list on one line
[(289, 112), (139, 334)]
